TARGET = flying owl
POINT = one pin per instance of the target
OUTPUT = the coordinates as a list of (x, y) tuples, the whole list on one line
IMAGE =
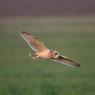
[(42, 52)]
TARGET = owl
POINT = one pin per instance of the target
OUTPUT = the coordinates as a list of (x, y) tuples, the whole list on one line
[(42, 52)]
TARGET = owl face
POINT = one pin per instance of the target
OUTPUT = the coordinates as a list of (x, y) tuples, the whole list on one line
[(54, 54)]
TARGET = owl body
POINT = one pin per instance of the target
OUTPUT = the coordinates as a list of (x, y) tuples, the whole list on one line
[(44, 54)]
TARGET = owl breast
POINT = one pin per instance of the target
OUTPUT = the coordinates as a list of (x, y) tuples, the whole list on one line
[(44, 54)]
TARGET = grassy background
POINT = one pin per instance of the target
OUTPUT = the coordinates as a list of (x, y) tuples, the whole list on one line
[(20, 75)]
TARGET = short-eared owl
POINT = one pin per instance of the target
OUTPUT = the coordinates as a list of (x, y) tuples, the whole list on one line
[(41, 51)]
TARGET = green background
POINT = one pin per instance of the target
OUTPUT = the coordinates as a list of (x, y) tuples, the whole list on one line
[(20, 75)]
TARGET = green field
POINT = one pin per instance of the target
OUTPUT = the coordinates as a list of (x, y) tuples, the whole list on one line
[(20, 75)]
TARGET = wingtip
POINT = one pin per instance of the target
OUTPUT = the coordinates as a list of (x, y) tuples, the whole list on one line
[(23, 32), (77, 65)]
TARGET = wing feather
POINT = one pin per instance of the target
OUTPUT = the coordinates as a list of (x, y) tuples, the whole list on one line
[(33, 42), (66, 61)]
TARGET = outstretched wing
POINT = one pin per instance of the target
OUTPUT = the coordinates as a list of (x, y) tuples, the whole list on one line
[(66, 61), (33, 42)]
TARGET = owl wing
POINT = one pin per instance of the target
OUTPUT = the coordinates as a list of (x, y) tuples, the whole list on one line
[(66, 61), (33, 42)]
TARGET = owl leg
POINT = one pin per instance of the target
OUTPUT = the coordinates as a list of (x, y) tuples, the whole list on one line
[(35, 56)]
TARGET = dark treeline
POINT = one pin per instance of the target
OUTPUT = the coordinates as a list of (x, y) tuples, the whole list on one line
[(46, 7)]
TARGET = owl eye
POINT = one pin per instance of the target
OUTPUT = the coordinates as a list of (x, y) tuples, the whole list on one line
[(55, 54)]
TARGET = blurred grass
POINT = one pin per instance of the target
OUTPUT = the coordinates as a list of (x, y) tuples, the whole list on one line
[(20, 75)]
